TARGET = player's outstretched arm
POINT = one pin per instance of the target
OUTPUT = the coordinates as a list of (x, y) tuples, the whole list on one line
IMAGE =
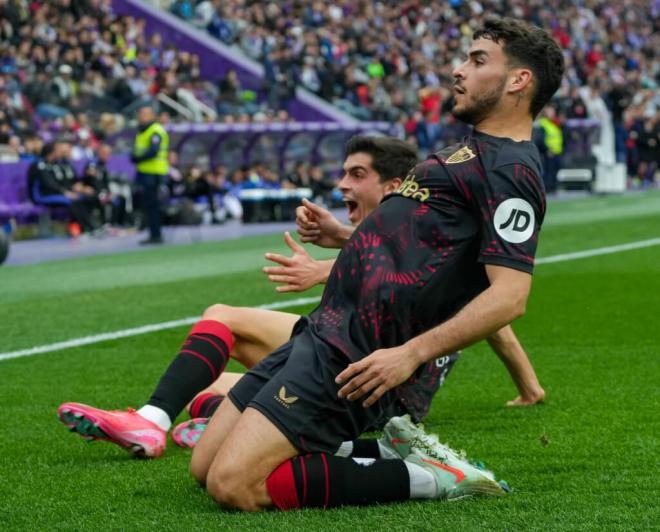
[(298, 272), (318, 226), (497, 306), (510, 351)]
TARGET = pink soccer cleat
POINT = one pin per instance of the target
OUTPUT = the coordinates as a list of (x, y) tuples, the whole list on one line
[(129, 430), (187, 434)]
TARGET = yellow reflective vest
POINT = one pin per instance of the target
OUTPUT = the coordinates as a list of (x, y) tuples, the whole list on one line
[(157, 165), (554, 138)]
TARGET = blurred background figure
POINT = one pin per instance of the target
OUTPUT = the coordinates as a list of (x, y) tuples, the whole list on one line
[(49, 184), (114, 193), (551, 145), (150, 156)]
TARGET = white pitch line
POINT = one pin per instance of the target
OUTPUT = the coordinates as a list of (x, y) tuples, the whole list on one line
[(599, 251), (87, 340)]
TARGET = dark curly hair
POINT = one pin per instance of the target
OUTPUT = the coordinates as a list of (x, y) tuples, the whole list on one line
[(530, 47), (392, 157)]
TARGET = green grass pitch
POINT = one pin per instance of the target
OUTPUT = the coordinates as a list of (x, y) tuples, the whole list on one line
[(587, 459)]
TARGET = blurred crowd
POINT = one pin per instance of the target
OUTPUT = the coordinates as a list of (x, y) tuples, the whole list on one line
[(215, 192), (98, 201), (393, 60), (69, 67)]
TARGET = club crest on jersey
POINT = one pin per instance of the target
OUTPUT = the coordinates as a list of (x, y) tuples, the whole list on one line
[(411, 189), (514, 220), (283, 399), (461, 156)]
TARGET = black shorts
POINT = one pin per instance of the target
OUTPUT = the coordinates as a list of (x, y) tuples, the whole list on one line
[(295, 389), (417, 392)]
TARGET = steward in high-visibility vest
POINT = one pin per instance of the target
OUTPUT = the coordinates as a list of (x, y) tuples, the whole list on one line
[(151, 149), (554, 138), (551, 149), (150, 155)]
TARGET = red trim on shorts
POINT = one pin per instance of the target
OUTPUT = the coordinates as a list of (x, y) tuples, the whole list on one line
[(216, 329), (281, 486)]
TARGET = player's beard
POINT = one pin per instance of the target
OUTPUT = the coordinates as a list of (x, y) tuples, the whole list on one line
[(482, 104)]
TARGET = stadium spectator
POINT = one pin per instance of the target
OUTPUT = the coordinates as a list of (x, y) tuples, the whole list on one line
[(208, 191), (299, 178), (321, 184), (31, 147), (231, 200), (648, 142), (269, 179), (229, 89), (114, 195), (50, 184), (177, 184)]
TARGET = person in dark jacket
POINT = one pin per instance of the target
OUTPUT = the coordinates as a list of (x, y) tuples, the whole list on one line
[(49, 185)]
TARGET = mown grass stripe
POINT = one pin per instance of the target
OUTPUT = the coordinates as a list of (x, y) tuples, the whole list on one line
[(87, 340), (154, 327)]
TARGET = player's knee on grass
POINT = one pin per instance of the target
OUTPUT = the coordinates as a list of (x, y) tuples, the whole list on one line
[(200, 463), (228, 487)]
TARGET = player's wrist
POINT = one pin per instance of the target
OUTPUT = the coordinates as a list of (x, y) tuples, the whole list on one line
[(416, 351), (345, 233)]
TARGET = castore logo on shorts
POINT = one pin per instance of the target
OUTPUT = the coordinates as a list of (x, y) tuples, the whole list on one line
[(285, 401)]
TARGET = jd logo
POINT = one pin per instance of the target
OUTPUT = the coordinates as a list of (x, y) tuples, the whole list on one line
[(514, 220), (520, 220), (283, 399)]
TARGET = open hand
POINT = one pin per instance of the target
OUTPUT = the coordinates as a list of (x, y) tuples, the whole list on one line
[(297, 272)]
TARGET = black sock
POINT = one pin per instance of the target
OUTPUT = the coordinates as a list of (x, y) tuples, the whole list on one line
[(366, 448), (326, 481), (205, 404), (200, 362)]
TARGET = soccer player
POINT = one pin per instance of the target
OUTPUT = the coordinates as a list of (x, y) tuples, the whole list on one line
[(443, 262), (372, 169)]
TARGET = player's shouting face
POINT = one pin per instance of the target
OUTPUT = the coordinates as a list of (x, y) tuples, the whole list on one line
[(361, 186), (480, 82)]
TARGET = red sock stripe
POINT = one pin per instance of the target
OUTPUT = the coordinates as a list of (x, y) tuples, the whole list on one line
[(304, 475), (202, 357), (212, 405), (198, 403), (216, 329), (327, 482), (281, 486), (220, 350)]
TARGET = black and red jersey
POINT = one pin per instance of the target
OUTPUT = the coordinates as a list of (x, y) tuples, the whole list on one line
[(421, 255)]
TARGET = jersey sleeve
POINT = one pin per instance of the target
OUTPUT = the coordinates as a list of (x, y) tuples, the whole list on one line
[(511, 210)]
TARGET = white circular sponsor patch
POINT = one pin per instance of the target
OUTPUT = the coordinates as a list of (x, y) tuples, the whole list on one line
[(514, 220)]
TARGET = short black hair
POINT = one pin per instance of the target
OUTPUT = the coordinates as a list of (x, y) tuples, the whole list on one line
[(47, 149), (392, 157), (528, 46)]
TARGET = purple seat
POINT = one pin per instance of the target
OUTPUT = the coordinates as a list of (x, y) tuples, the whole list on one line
[(14, 201)]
